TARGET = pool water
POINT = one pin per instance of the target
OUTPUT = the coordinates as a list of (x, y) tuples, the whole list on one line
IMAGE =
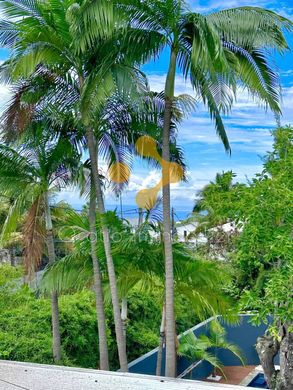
[(259, 382)]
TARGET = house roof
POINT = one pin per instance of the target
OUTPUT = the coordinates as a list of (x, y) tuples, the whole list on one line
[(29, 376)]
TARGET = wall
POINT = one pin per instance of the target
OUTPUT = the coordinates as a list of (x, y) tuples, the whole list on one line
[(244, 335), (5, 256)]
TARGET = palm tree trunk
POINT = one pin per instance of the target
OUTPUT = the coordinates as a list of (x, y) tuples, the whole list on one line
[(101, 320), (54, 296), (121, 343), (162, 341), (124, 310), (169, 272)]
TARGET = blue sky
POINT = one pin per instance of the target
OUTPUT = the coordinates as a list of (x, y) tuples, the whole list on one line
[(248, 126)]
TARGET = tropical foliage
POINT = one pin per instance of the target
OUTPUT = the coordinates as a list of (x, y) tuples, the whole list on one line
[(80, 100), (206, 347), (261, 251)]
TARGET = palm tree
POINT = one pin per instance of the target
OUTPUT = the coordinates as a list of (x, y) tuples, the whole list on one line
[(139, 261), (214, 207), (31, 174), (103, 348), (71, 48), (216, 52), (118, 123), (198, 348)]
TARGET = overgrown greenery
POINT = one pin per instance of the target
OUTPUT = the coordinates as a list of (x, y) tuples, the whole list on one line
[(259, 246), (25, 324), (78, 90)]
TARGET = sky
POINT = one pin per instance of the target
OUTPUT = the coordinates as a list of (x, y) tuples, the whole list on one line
[(248, 127)]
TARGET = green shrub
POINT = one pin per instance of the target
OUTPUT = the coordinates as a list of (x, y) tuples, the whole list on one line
[(25, 324)]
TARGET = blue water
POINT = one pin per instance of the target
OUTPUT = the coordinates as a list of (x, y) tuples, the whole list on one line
[(258, 382), (131, 211)]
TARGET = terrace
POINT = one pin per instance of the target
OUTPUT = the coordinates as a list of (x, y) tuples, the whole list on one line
[(243, 334)]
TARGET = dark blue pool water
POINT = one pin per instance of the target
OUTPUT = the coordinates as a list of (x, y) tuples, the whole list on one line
[(258, 381)]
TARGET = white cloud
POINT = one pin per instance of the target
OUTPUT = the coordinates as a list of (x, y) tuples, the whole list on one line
[(183, 194), (286, 73), (248, 128), (282, 7), (248, 125)]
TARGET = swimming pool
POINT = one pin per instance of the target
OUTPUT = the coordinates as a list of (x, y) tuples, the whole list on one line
[(259, 382)]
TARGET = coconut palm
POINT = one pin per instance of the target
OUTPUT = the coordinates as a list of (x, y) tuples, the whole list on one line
[(217, 53), (65, 126), (71, 47), (31, 173), (199, 348)]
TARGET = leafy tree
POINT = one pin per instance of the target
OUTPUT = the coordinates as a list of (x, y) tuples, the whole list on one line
[(261, 252), (265, 257), (266, 215), (215, 212), (25, 324)]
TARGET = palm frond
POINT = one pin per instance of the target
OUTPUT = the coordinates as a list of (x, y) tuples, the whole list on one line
[(33, 238), (90, 22), (8, 33), (207, 93), (20, 8), (252, 27), (72, 273), (257, 77)]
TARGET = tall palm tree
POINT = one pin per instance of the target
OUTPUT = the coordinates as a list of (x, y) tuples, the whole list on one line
[(118, 122), (30, 174), (66, 127), (217, 53), (103, 347), (80, 62)]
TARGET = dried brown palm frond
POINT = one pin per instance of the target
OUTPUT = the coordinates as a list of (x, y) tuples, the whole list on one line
[(17, 115), (33, 238)]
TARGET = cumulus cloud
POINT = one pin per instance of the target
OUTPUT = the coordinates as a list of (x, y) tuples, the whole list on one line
[(248, 125), (248, 129)]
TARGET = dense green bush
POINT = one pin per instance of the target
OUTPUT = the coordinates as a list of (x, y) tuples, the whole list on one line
[(25, 324)]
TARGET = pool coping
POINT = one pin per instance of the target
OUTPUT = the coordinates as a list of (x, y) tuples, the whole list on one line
[(253, 374)]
